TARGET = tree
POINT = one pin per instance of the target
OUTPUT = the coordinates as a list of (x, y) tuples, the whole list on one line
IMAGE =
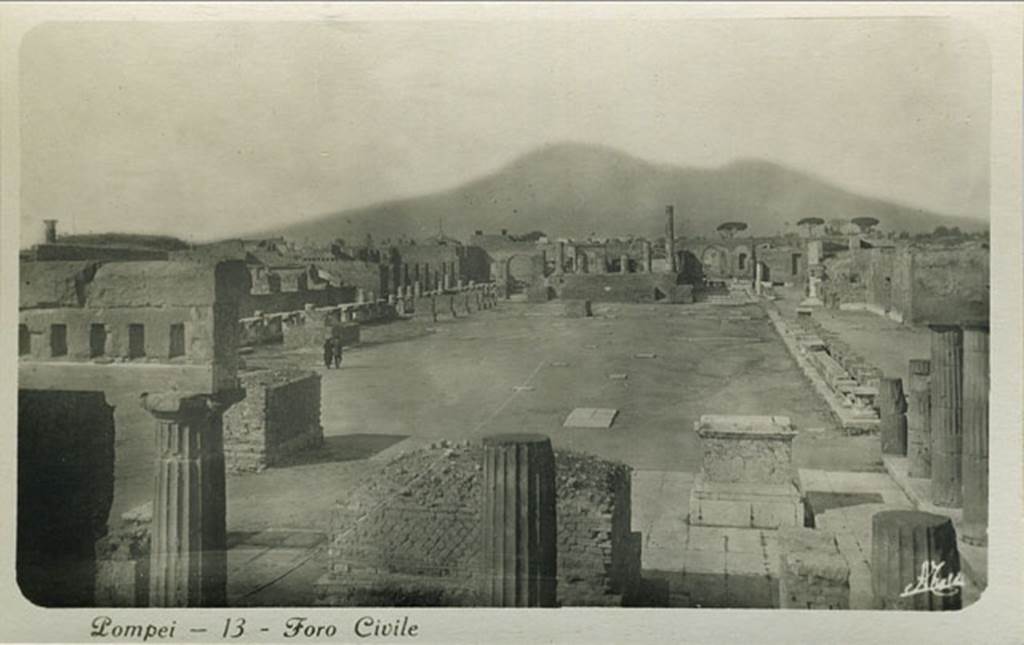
[(729, 229), (865, 224), (811, 223)]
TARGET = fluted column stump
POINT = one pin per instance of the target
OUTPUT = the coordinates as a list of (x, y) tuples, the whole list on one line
[(919, 422), (975, 439), (892, 420), (188, 543), (947, 429), (905, 545), (519, 528)]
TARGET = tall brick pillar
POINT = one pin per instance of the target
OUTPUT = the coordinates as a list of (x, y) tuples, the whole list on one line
[(919, 423), (560, 258), (519, 526), (905, 544), (975, 441), (892, 420), (187, 548), (947, 431), (646, 267)]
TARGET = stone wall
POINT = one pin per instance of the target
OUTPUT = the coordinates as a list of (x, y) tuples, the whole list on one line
[(295, 300), (950, 284), (279, 416), (622, 287), (412, 534), (912, 284), (65, 491)]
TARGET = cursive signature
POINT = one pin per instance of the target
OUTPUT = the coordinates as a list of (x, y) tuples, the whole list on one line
[(931, 579)]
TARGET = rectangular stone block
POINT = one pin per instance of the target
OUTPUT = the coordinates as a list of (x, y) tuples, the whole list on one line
[(747, 449), (745, 505), (813, 574)]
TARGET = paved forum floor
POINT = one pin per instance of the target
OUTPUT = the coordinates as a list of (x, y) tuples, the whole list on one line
[(520, 367)]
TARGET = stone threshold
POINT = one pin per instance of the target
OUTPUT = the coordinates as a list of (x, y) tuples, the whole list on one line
[(973, 559)]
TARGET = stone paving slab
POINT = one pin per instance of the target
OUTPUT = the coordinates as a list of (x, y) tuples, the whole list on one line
[(591, 418)]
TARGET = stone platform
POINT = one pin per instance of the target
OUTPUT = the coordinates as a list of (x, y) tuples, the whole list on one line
[(747, 478)]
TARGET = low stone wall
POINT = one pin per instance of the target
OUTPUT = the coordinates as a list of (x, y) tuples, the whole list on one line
[(622, 287), (279, 416), (411, 535)]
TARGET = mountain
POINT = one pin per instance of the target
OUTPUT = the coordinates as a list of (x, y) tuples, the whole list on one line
[(572, 189)]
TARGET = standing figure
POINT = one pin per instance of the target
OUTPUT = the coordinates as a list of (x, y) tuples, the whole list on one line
[(337, 353), (328, 352)]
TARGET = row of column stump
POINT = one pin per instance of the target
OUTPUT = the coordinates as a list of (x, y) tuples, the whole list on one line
[(941, 423), (188, 547)]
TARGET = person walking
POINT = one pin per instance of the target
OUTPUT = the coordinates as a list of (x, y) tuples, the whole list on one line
[(337, 353), (328, 352)]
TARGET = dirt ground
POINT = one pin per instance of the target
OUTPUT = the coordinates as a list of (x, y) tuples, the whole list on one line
[(521, 368)]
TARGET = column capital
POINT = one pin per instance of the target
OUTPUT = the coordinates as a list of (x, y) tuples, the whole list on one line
[(174, 404)]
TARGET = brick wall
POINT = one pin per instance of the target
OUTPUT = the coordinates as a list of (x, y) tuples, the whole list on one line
[(413, 532), (279, 416)]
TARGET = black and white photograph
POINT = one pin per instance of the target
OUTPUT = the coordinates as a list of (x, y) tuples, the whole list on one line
[(361, 310)]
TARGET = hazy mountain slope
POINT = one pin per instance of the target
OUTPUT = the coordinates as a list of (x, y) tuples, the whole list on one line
[(576, 189)]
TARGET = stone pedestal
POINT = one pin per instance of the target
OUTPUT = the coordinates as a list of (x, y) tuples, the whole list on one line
[(892, 418), (975, 438), (813, 574), (188, 548), (919, 423), (947, 430), (908, 547), (519, 527), (747, 477)]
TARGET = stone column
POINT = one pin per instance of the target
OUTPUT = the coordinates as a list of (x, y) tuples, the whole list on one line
[(560, 258), (905, 544), (670, 238), (519, 556), (757, 278), (188, 545), (946, 391), (417, 289), (360, 295), (892, 420), (623, 264), (647, 257), (919, 423), (975, 438)]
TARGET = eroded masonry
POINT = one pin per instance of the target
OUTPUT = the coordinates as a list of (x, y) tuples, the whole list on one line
[(511, 420)]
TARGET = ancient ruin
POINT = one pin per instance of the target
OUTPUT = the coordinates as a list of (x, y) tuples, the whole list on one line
[(215, 353)]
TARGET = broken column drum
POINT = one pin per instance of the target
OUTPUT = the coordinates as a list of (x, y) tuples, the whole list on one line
[(947, 431), (919, 436), (906, 545), (892, 418), (975, 437), (188, 546), (518, 558)]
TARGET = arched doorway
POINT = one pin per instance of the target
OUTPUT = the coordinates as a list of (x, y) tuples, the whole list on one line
[(519, 273)]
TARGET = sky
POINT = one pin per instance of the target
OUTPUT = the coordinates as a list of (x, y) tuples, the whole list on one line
[(206, 130)]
